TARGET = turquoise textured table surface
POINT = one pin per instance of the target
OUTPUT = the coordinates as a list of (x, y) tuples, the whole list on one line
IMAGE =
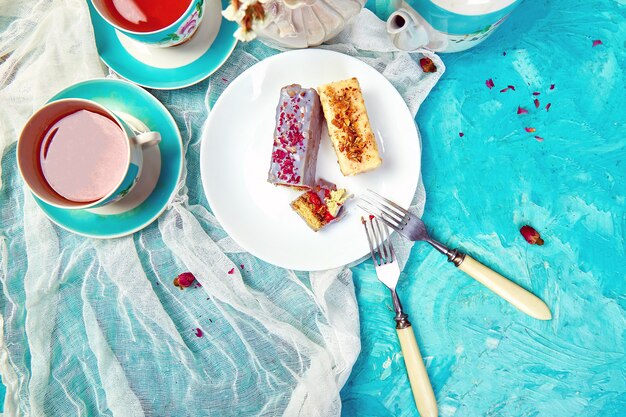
[(485, 358)]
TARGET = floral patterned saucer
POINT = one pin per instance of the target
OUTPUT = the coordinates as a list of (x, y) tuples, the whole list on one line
[(173, 67)]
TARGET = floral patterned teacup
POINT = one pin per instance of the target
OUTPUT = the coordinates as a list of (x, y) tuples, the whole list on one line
[(29, 151), (175, 34)]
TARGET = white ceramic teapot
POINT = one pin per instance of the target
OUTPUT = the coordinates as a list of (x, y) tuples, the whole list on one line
[(442, 25)]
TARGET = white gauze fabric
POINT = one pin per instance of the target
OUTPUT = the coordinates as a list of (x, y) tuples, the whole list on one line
[(93, 327)]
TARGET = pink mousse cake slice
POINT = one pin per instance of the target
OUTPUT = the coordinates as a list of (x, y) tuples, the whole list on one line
[(296, 138)]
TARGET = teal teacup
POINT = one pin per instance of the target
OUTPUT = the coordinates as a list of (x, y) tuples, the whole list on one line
[(161, 23)]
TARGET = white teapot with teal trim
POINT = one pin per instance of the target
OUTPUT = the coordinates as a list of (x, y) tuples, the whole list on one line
[(442, 25)]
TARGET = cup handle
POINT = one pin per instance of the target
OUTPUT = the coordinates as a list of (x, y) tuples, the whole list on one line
[(146, 139)]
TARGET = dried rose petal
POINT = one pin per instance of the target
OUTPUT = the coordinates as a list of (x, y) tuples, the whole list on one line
[(539, 138), (530, 129), (372, 217), (241, 266), (489, 83), (184, 280), (596, 43), (531, 235), (427, 65), (461, 134), (551, 86), (521, 110), (504, 90), (511, 87), (536, 93), (199, 332), (232, 271), (548, 106), (536, 101)]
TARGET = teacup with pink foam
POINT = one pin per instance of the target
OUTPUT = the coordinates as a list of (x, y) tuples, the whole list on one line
[(77, 154)]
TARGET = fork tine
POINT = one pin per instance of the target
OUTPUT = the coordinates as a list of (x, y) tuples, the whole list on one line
[(369, 240), (381, 217), (389, 248), (376, 203), (382, 249), (388, 223), (377, 241), (391, 203), (398, 218), (369, 208)]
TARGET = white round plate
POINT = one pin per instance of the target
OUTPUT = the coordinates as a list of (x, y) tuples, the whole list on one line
[(237, 146)]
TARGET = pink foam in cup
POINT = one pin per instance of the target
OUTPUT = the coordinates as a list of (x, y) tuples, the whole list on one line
[(73, 153)]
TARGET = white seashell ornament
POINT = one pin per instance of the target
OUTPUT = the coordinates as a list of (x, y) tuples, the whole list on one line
[(292, 23)]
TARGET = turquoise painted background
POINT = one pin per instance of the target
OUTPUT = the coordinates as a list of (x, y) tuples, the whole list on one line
[(485, 358)]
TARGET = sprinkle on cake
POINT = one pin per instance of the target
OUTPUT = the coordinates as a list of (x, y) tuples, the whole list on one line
[(296, 138)]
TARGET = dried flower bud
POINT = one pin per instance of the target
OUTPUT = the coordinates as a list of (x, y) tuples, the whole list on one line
[(184, 280), (427, 65), (531, 235)]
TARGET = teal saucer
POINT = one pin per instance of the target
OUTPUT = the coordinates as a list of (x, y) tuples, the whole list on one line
[(168, 68), (122, 96)]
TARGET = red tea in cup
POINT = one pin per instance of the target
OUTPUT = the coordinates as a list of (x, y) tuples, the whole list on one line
[(84, 156), (144, 15)]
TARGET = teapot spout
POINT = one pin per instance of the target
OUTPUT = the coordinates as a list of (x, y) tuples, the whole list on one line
[(406, 32)]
